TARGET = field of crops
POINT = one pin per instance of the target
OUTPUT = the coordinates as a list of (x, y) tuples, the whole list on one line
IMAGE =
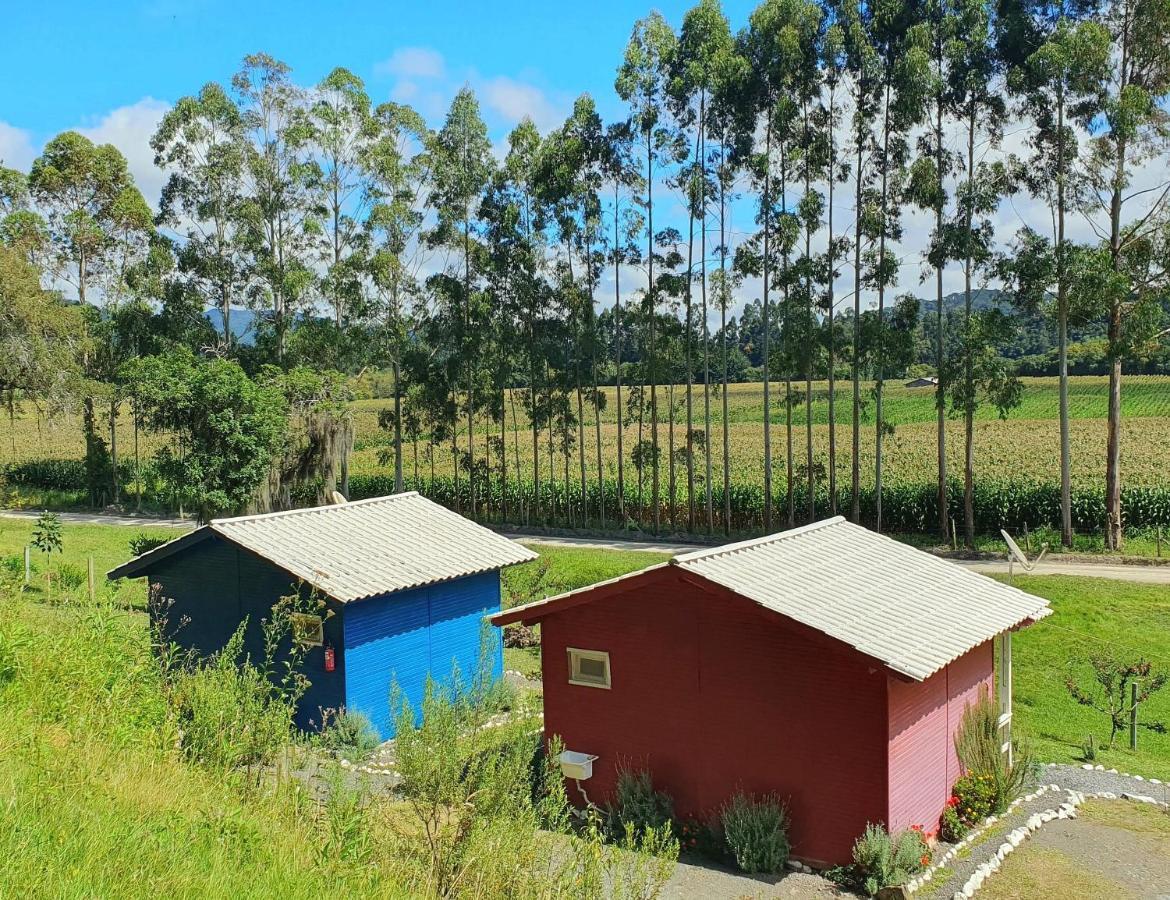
[(1020, 452)]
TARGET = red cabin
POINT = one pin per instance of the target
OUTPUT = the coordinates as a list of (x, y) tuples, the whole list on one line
[(827, 665)]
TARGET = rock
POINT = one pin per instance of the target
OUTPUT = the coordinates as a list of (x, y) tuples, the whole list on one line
[(1138, 798), (1099, 768), (793, 864), (898, 892), (1155, 781), (1138, 778), (1088, 766), (1004, 850), (1034, 822)]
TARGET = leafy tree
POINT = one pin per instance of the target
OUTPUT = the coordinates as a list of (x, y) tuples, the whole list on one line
[(41, 340), (277, 216), (460, 168), (1135, 128), (227, 428), (46, 535), (200, 140), (1113, 695), (642, 82), (1058, 59)]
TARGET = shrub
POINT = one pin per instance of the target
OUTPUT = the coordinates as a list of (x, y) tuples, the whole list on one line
[(756, 831), (71, 576), (977, 796), (347, 733), (951, 827), (978, 745), (883, 860), (144, 543), (637, 803), (227, 712)]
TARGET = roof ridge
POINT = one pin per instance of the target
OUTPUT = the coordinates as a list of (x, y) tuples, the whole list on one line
[(367, 501), (709, 552)]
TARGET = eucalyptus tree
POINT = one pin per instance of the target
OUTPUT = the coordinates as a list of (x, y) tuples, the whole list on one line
[(780, 44), (344, 130), (726, 157), (98, 226), (975, 98), (927, 189), (1058, 59), (21, 227), (904, 66), (200, 142), (277, 216), (642, 82), (834, 68), (520, 171), (705, 43), (396, 169), (862, 65), (623, 181), (461, 164), (1134, 131)]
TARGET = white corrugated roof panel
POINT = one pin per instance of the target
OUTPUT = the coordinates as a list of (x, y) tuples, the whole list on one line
[(913, 611), (368, 547)]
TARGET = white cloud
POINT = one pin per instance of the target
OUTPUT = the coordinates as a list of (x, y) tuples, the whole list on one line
[(512, 100), (16, 147), (413, 62), (129, 128)]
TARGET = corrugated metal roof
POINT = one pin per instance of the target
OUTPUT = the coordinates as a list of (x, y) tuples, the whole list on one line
[(368, 547), (907, 608), (912, 610)]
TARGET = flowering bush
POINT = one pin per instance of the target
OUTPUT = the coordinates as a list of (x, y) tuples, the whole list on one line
[(881, 859), (976, 796), (951, 828)]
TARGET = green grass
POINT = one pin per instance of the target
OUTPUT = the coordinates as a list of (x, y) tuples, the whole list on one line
[(1090, 615), (1033, 872)]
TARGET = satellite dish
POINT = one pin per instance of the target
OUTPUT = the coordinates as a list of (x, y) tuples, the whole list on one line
[(337, 498), (1016, 555)]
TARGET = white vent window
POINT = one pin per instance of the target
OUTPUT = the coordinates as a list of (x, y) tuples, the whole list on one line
[(589, 668), (307, 630)]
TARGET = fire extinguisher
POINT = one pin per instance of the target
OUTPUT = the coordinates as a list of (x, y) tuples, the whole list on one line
[(330, 658)]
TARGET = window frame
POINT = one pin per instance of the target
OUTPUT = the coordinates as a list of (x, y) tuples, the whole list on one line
[(575, 654), (307, 629)]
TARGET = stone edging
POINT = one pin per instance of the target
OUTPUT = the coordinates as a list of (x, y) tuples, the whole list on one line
[(1066, 810), (928, 873)]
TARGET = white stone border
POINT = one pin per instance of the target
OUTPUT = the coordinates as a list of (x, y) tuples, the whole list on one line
[(929, 872), (1066, 810)]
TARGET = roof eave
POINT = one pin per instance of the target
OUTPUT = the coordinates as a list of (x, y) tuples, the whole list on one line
[(141, 564)]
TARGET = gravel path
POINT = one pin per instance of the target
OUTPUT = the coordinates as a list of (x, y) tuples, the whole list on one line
[(1097, 779)]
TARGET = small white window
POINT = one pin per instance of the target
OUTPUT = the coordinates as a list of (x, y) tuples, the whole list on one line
[(589, 668), (307, 630)]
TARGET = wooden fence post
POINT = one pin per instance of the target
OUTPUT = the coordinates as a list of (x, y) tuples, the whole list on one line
[(91, 581), (27, 564), (1133, 714)]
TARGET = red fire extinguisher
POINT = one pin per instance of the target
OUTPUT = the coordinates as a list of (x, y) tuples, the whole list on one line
[(330, 658)]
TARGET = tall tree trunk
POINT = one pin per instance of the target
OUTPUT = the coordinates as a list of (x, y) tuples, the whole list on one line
[(808, 343), (653, 316), (706, 326), (831, 302), (687, 345), (617, 331), (767, 325), (855, 477), (786, 343), (881, 315), (968, 371), (723, 292), (470, 365), (398, 486), (1066, 531), (114, 450), (940, 391)]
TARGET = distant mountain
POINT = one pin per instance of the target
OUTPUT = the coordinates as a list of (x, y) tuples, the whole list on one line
[(981, 298), (243, 324)]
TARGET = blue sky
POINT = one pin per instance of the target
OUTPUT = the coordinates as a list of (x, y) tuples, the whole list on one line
[(90, 59)]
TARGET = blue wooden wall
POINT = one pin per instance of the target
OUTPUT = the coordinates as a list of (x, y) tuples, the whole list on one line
[(214, 584), (401, 637)]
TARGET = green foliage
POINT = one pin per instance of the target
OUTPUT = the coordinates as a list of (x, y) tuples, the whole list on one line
[(977, 798), (143, 543), (978, 743), (637, 804), (71, 576), (951, 827), (46, 535), (347, 734), (883, 860), (1113, 694), (756, 831)]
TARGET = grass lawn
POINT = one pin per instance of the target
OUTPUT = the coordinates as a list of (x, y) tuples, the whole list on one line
[(1091, 615)]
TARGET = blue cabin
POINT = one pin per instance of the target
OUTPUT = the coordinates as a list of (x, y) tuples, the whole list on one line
[(406, 584)]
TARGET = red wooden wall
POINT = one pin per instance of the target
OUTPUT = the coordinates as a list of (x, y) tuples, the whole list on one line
[(923, 719), (712, 693)]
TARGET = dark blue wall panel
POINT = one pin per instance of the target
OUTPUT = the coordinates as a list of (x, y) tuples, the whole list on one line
[(401, 638)]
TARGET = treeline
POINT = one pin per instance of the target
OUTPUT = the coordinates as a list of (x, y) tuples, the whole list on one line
[(367, 239)]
